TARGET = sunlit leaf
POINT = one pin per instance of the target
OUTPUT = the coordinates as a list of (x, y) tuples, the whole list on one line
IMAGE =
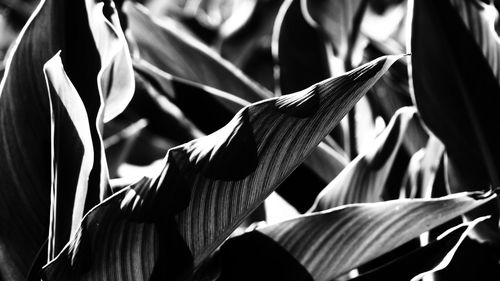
[(423, 169), (330, 243), (25, 127), (426, 260), (479, 17), (210, 184), (456, 91), (179, 54), (365, 178), (209, 109)]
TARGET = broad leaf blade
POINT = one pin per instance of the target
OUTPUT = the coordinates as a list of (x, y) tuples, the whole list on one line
[(365, 178), (179, 54), (456, 91), (298, 50), (426, 260), (332, 242), (211, 184), (25, 126)]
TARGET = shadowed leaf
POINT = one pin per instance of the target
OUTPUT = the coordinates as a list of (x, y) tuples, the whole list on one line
[(330, 243), (209, 109), (337, 20), (179, 54), (210, 184), (246, 41), (365, 179), (25, 127), (298, 49), (457, 94), (428, 259)]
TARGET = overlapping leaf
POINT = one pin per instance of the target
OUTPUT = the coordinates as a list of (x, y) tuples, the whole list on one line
[(337, 19), (209, 109), (210, 184), (456, 91), (330, 243), (479, 17), (457, 94), (25, 126), (365, 178), (179, 54), (72, 154), (246, 40), (298, 50), (428, 259)]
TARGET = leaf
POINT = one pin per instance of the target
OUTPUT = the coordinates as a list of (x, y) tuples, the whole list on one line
[(456, 91), (210, 184), (298, 51), (116, 76), (473, 261), (330, 243), (120, 143), (214, 108), (72, 155), (208, 108), (423, 261), (246, 39), (479, 17), (337, 20), (423, 169), (365, 179), (392, 91), (25, 127), (178, 54)]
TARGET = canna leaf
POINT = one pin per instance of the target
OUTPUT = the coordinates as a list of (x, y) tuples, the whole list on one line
[(365, 179), (214, 108), (479, 17), (246, 39), (179, 54), (298, 50), (456, 91), (426, 260), (210, 185), (25, 144), (330, 243), (72, 155), (337, 20)]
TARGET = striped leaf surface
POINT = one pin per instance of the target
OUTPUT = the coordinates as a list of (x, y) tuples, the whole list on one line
[(210, 185), (330, 243), (365, 178)]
